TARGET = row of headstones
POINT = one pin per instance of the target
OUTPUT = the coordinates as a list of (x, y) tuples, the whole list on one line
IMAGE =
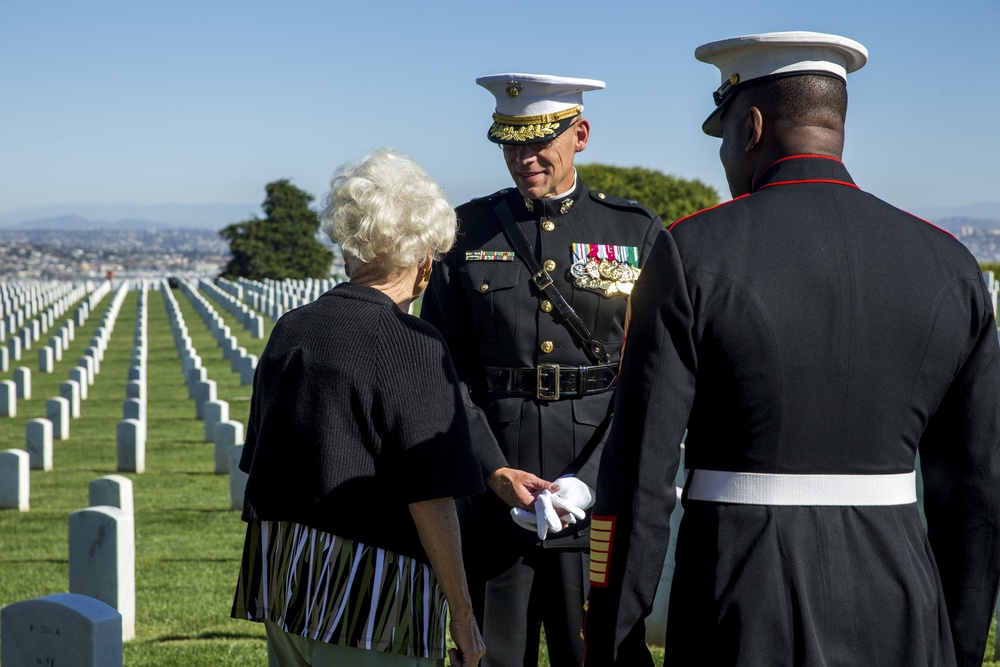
[(20, 386), (25, 300), (34, 327), (130, 433), (274, 297), (240, 361), (59, 411), (87, 626), (250, 320), (226, 434)]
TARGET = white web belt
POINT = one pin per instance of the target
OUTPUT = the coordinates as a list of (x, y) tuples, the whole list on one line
[(752, 488)]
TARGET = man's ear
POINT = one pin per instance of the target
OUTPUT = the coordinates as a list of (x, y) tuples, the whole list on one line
[(753, 127), (582, 134)]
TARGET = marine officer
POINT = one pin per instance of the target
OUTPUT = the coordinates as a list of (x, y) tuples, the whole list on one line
[(531, 302), (811, 339)]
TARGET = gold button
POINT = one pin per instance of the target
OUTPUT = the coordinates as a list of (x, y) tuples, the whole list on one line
[(548, 225), (600, 195), (484, 287), (547, 346), (586, 605), (549, 265), (581, 635), (546, 306)]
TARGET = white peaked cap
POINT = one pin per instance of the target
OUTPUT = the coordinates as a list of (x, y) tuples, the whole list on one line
[(534, 107), (775, 54)]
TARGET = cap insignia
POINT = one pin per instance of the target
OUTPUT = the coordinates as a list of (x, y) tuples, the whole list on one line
[(514, 88), (723, 91)]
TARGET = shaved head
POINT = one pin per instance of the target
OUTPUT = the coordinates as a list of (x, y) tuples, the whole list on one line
[(796, 101)]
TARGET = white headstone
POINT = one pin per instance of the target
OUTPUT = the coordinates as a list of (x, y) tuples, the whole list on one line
[(4, 359), (102, 559), (114, 490), (135, 389), (8, 398), (38, 443), (247, 369), (203, 393), (237, 478), (228, 345), (57, 412), (131, 436), (87, 363), (257, 327), (56, 343), (15, 489), (46, 359), (228, 433), (79, 375), (70, 390), (236, 360), (22, 378), (61, 629), (196, 376), (215, 411), (14, 348), (133, 408)]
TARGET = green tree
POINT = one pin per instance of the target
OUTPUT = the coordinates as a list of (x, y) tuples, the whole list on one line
[(670, 197), (283, 244)]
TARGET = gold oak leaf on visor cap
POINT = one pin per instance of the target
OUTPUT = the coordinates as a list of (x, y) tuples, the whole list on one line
[(772, 55), (534, 107)]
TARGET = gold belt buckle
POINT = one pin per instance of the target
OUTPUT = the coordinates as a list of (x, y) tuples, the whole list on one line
[(550, 371)]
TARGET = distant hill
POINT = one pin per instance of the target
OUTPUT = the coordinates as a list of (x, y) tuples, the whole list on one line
[(987, 210), (128, 216)]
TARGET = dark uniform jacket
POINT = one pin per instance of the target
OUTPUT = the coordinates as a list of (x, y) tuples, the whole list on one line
[(491, 315), (806, 328)]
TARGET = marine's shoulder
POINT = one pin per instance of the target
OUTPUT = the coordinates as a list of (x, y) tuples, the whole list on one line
[(613, 202), (477, 204), (723, 211)]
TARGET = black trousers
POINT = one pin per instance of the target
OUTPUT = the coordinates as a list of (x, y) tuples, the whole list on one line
[(515, 596)]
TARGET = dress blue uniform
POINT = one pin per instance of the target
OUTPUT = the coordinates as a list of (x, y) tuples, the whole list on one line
[(810, 338)]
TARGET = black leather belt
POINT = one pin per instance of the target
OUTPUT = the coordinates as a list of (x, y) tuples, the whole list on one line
[(550, 382)]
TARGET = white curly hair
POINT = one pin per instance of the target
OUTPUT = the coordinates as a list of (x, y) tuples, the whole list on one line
[(386, 210)]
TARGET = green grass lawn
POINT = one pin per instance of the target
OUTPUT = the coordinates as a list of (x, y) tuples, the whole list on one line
[(188, 541)]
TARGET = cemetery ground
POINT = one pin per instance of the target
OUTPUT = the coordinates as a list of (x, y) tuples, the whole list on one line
[(187, 539)]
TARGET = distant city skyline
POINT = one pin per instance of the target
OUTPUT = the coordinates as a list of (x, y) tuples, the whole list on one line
[(196, 103)]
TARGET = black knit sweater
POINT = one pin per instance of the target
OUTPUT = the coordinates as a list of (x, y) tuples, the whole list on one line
[(355, 413)]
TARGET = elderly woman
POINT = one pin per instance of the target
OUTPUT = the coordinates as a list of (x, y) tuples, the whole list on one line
[(357, 445)]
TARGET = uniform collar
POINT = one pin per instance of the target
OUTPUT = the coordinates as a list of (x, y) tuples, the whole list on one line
[(804, 169), (552, 208)]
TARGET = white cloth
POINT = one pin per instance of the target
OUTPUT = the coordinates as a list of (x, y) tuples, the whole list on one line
[(567, 493)]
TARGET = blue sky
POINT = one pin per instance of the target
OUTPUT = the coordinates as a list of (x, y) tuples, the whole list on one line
[(149, 102)]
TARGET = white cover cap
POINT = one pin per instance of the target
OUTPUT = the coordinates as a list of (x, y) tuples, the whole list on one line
[(534, 107), (743, 59)]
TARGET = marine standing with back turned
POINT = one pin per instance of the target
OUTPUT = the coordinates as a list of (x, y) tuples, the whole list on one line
[(531, 302), (812, 339)]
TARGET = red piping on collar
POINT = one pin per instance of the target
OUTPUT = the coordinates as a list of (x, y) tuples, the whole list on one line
[(809, 180), (793, 157)]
